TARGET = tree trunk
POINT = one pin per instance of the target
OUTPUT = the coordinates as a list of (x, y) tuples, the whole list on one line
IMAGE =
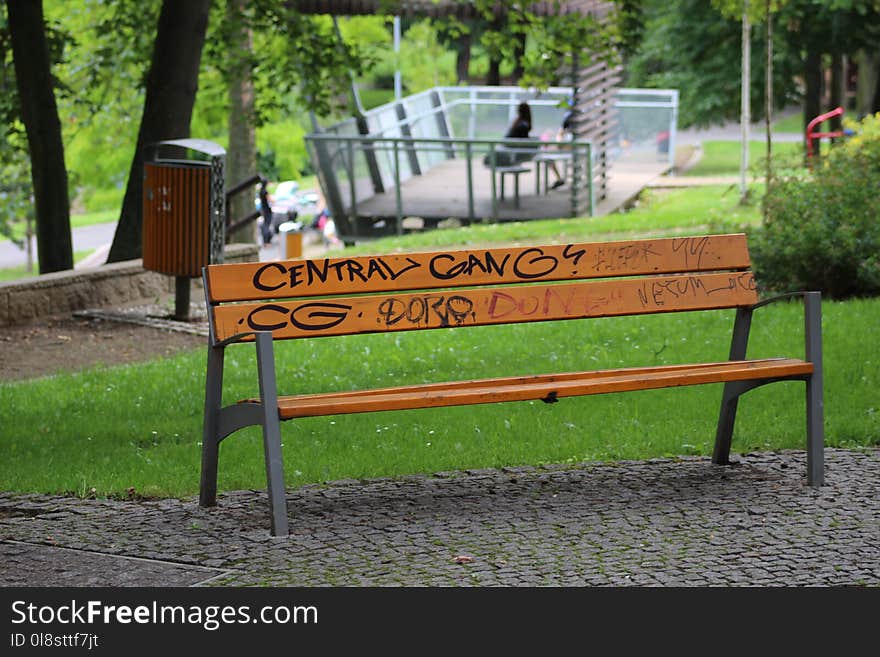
[(837, 93), (493, 79), (519, 53), (768, 93), (866, 85), (39, 113), (463, 58), (745, 102), (171, 91), (241, 159), (813, 91)]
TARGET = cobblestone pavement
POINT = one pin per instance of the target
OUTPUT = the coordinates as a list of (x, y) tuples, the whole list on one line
[(664, 522)]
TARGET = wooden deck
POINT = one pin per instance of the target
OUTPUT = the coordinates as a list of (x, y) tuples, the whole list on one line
[(442, 193)]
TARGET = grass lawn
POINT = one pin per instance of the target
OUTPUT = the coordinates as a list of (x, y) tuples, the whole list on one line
[(793, 123), (110, 430), (16, 273), (695, 210), (723, 157)]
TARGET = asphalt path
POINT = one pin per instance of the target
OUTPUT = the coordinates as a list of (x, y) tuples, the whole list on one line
[(98, 238), (86, 238)]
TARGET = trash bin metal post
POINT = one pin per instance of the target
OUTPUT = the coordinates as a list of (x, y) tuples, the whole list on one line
[(218, 208)]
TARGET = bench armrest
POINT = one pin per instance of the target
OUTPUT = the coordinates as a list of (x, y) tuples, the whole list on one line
[(238, 337), (781, 297), (812, 323)]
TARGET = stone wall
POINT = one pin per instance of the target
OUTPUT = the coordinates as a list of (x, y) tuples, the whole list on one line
[(118, 284)]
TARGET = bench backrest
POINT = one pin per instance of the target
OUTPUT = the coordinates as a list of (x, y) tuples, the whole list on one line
[(400, 292)]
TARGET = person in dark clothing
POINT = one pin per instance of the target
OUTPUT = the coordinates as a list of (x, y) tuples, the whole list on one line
[(266, 212), (509, 154), (522, 124)]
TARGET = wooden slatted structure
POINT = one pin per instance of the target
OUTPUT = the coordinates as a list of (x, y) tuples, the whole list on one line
[(301, 299), (595, 120), (177, 215)]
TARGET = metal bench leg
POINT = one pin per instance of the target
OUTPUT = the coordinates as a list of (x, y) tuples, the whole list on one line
[(272, 435), (516, 190), (732, 391), (815, 400), (210, 436)]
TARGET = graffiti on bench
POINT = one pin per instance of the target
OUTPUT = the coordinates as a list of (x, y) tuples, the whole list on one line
[(367, 314), (367, 274)]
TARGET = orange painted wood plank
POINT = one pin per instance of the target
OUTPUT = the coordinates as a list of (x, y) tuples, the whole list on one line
[(540, 387), (443, 269), (486, 306), (511, 380)]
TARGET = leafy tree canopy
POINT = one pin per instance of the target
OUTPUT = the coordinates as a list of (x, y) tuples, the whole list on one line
[(691, 47)]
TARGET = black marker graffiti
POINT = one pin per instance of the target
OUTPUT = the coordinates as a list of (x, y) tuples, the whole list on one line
[(420, 310), (276, 275), (316, 316), (692, 247), (533, 263), (660, 291), (445, 267), (746, 281)]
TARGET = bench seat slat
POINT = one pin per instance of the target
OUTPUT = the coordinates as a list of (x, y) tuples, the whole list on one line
[(537, 387), (507, 380)]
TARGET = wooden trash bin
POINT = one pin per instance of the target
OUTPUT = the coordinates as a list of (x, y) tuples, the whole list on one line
[(184, 215)]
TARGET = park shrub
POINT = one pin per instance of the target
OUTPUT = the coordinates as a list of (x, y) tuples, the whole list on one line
[(821, 229)]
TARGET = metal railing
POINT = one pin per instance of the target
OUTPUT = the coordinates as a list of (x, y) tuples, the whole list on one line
[(234, 224), (349, 157), (410, 136)]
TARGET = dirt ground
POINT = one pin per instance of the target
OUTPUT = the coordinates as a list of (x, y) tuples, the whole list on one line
[(68, 344)]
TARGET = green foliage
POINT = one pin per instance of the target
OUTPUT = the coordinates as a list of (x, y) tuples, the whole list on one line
[(103, 75), (102, 200), (284, 140), (689, 46), (425, 63), (371, 98), (16, 189), (630, 19), (821, 231)]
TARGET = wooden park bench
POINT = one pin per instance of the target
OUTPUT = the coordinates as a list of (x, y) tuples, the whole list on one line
[(458, 290)]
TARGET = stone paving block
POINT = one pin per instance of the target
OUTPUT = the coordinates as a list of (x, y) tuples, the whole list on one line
[(664, 522)]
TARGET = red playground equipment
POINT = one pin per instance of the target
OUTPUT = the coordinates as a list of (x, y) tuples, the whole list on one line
[(812, 125)]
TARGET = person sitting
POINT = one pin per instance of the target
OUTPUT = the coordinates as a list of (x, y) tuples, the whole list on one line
[(520, 128), (522, 124), (563, 135)]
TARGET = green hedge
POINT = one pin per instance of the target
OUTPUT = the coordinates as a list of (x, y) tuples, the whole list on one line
[(821, 231)]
